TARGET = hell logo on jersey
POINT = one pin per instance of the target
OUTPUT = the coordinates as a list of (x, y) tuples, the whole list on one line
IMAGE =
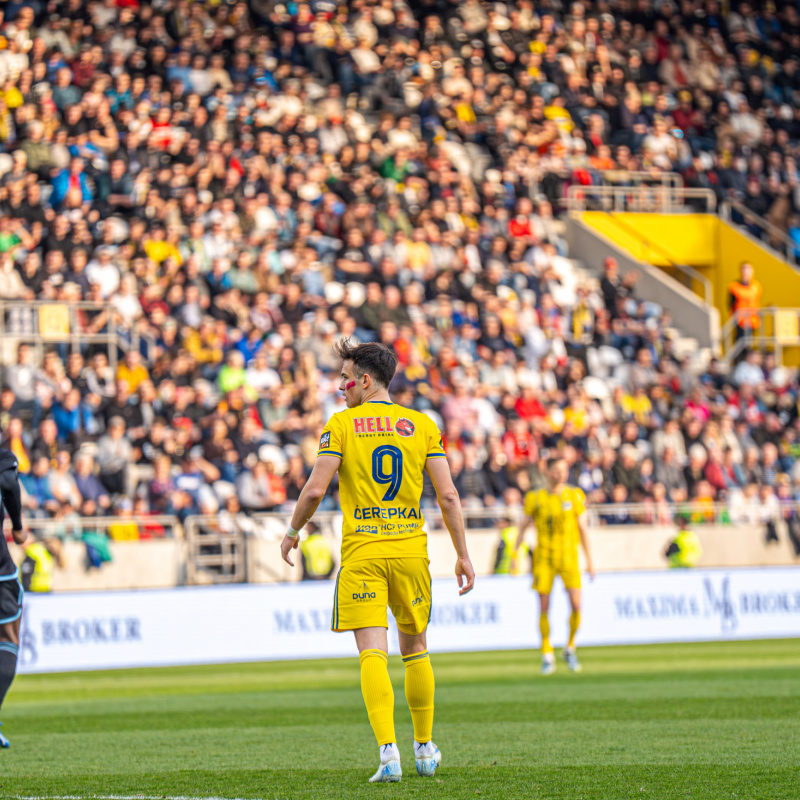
[(404, 427), (373, 425)]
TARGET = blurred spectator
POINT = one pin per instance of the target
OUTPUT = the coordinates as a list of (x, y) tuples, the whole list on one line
[(37, 499), (62, 482), (114, 456), (95, 498), (20, 378)]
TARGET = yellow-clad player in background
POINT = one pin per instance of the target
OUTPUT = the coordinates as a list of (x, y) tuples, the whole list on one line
[(559, 514), (380, 450)]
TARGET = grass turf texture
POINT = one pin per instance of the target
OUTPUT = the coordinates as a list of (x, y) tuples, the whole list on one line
[(680, 721)]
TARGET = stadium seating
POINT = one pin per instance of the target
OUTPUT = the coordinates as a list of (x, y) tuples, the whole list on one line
[(195, 207)]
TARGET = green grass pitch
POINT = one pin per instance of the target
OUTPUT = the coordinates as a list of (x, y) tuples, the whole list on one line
[(680, 721)]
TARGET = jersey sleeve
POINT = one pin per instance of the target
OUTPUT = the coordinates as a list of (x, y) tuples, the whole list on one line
[(434, 446), (530, 504), (331, 442), (9, 488), (579, 501)]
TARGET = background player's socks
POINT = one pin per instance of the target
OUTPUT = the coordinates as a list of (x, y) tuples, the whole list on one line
[(544, 627), (419, 693), (378, 694), (574, 624), (8, 667)]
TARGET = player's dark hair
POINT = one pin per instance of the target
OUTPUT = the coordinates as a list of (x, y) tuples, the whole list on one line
[(369, 358)]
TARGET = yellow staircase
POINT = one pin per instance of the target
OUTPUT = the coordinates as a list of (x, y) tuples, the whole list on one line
[(705, 252)]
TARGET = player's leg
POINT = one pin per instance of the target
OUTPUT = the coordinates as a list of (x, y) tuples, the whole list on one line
[(376, 687), (543, 576), (548, 654), (359, 605), (9, 648), (410, 602), (419, 683), (420, 689), (574, 592), (375, 684), (574, 616)]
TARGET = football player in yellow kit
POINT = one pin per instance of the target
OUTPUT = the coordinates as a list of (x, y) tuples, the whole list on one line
[(380, 451), (559, 514)]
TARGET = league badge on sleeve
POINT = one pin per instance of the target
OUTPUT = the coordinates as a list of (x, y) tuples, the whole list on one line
[(325, 441)]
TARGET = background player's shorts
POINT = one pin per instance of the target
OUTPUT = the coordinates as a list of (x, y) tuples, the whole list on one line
[(545, 573), (10, 598), (365, 588)]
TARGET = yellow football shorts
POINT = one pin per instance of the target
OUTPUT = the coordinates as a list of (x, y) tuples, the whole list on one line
[(365, 588), (545, 570)]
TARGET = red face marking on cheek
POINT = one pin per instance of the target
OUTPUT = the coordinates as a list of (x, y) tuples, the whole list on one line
[(350, 385)]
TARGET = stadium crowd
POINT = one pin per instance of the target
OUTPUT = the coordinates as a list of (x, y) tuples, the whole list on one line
[(242, 184)]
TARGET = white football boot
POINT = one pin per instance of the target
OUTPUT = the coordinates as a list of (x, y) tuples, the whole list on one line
[(390, 770), (548, 663), (428, 758), (571, 657)]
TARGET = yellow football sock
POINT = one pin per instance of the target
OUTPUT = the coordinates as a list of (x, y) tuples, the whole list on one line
[(419, 694), (574, 624), (544, 627), (378, 694)]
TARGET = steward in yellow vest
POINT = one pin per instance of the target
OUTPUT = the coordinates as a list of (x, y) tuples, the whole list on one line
[(37, 568), (685, 549), (316, 557), (507, 559)]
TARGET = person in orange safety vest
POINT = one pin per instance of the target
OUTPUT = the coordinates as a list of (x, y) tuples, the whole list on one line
[(745, 295)]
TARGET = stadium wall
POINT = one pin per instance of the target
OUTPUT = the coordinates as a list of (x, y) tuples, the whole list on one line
[(259, 623), (661, 238)]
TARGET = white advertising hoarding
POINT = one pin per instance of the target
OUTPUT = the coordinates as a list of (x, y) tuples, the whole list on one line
[(258, 623)]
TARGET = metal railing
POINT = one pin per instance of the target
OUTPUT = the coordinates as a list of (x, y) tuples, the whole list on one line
[(145, 527), (738, 512), (219, 552), (774, 238), (218, 549), (641, 177), (225, 549), (778, 328), (659, 199), (44, 323)]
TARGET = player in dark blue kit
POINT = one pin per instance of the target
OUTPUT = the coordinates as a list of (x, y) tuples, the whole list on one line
[(10, 586)]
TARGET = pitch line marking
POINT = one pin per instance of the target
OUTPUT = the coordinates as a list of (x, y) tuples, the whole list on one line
[(123, 797)]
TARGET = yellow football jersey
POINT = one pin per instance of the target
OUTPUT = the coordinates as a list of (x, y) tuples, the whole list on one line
[(384, 448), (556, 517)]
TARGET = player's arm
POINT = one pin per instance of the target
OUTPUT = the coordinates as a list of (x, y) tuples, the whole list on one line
[(439, 473), (317, 484), (9, 490), (583, 528), (523, 529)]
